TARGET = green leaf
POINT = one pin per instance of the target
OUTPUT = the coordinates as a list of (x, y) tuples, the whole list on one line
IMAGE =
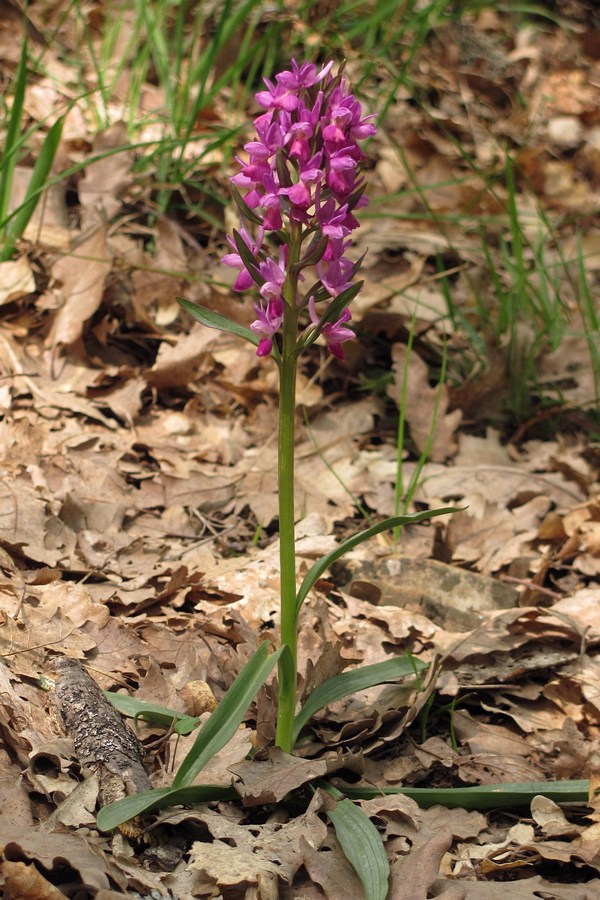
[(248, 258), (216, 320), (114, 814), (229, 714), (19, 221), (152, 712), (244, 208), (488, 796), (350, 682), (362, 846), (11, 139), (316, 570), (313, 253)]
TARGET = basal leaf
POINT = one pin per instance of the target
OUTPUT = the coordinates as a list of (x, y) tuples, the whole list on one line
[(8, 159), (488, 796), (114, 814), (316, 570), (362, 846), (20, 219), (350, 682), (153, 712), (228, 716)]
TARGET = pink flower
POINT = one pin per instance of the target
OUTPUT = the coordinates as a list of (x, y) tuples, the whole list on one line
[(303, 76), (335, 276), (277, 97), (268, 322), (274, 276), (341, 171), (331, 219), (334, 332), (244, 279), (299, 194)]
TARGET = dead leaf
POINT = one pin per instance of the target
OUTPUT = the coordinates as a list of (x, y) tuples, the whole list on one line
[(432, 427), (16, 280), (79, 280)]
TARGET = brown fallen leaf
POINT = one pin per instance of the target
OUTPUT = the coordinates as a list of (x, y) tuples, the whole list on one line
[(16, 280), (50, 850), (329, 868), (269, 781), (413, 874), (25, 882), (257, 854), (79, 280), (432, 427)]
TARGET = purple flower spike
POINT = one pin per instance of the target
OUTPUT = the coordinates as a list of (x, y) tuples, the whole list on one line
[(301, 184)]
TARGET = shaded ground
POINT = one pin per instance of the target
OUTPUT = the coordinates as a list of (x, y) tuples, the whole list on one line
[(138, 517)]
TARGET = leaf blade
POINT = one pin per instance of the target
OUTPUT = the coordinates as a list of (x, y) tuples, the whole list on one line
[(316, 570), (114, 814), (228, 716), (490, 796), (152, 712), (362, 847), (215, 320), (350, 682)]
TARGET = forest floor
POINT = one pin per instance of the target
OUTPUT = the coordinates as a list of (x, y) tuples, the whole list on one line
[(138, 451)]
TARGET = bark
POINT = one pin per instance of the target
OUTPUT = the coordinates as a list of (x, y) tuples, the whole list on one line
[(101, 737), (106, 745)]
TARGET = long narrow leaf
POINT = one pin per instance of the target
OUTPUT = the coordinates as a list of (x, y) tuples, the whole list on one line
[(153, 712), (37, 183), (243, 207), (9, 155), (350, 682), (487, 796), (248, 258), (315, 571), (114, 814), (362, 846), (216, 320), (228, 716)]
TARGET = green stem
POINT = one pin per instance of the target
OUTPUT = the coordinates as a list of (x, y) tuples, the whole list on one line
[(287, 553)]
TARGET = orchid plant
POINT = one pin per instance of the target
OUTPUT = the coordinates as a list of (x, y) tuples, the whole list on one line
[(301, 184), (297, 192)]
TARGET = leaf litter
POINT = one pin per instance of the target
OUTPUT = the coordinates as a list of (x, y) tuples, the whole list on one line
[(138, 523)]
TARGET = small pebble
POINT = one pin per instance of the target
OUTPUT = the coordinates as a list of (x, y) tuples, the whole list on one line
[(178, 423), (565, 132)]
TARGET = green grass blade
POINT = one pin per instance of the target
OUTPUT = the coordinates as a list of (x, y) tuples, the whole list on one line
[(37, 183), (487, 796), (11, 141), (153, 712), (315, 571), (228, 716), (350, 682), (216, 320), (362, 846), (114, 814)]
